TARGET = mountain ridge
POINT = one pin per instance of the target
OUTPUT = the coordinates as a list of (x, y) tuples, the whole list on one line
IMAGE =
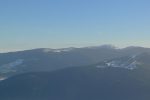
[(45, 59)]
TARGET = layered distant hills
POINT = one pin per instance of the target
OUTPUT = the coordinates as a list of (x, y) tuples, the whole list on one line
[(52, 59), (91, 73)]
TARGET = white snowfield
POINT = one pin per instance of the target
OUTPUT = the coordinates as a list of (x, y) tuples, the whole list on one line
[(129, 63)]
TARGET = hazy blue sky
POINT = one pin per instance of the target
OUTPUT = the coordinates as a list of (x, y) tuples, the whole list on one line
[(26, 24)]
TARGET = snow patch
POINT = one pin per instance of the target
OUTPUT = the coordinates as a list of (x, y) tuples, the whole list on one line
[(16, 63), (57, 50), (2, 78), (129, 63), (11, 67)]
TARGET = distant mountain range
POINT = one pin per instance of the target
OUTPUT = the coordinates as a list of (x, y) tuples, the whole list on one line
[(45, 59), (90, 73), (125, 78)]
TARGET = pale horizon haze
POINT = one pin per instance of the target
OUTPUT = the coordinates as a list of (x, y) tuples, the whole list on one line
[(29, 24)]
